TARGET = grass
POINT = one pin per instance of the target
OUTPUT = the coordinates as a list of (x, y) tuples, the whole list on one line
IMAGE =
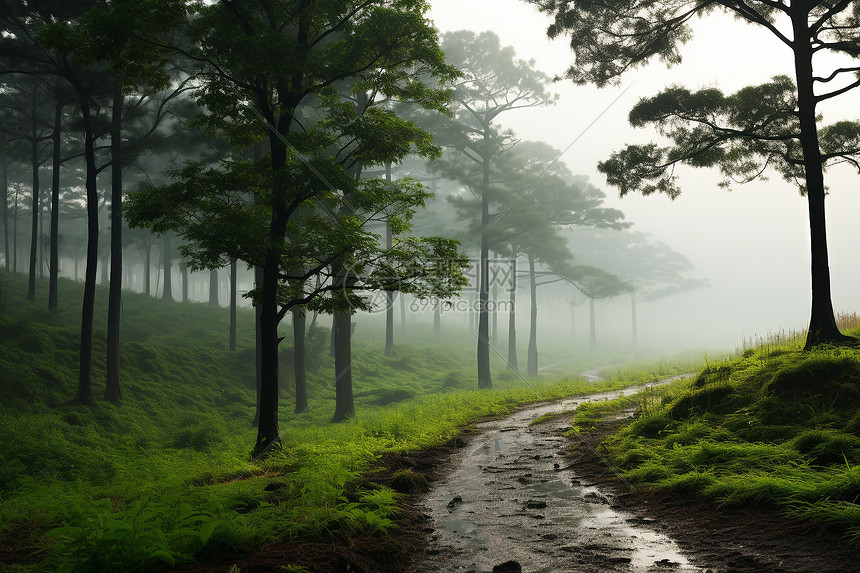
[(771, 426), (165, 477)]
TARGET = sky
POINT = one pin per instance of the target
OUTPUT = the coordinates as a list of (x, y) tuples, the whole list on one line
[(752, 243)]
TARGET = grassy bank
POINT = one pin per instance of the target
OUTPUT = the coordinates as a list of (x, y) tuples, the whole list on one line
[(165, 476), (772, 426)]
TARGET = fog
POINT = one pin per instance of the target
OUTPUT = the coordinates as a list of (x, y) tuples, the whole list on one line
[(751, 243)]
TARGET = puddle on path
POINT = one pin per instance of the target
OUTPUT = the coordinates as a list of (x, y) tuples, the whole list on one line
[(510, 496)]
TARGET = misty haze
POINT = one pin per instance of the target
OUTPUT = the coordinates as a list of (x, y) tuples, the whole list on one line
[(429, 286)]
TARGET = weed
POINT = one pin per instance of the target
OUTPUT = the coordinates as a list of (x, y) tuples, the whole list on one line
[(96, 538)]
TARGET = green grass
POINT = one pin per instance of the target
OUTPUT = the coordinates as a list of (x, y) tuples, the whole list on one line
[(164, 476), (772, 426)]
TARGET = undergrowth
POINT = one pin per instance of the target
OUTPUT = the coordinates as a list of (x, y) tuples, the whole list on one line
[(772, 425), (164, 477)]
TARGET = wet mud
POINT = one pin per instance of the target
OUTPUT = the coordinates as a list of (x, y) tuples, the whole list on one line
[(520, 498), (512, 501)]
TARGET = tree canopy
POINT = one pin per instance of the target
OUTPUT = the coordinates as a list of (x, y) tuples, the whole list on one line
[(304, 76), (772, 125), (493, 82)]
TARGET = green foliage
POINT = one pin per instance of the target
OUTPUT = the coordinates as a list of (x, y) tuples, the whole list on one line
[(741, 134), (825, 447), (315, 86), (96, 476), (98, 538), (550, 416)]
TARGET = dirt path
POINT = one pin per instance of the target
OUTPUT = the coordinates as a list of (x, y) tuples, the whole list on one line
[(518, 498), (511, 496)]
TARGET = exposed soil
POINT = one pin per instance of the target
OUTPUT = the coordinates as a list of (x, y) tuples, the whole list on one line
[(714, 539), (512, 502)]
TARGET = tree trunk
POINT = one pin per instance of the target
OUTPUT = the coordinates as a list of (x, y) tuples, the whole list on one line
[(437, 317), (402, 298), (485, 379), (233, 294), (822, 322), (258, 344), (34, 230), (299, 364), (268, 434), (471, 311), (15, 236), (167, 289), (147, 266), (495, 337), (592, 328), (344, 400), (4, 206), (55, 209), (41, 264), (85, 393), (183, 274), (112, 392), (389, 295), (633, 318), (213, 287), (389, 315), (512, 318), (344, 404), (532, 360), (331, 338)]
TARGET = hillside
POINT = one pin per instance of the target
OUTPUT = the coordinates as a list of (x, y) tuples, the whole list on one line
[(774, 427), (165, 478)]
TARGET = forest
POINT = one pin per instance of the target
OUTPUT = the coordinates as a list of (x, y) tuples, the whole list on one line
[(281, 289)]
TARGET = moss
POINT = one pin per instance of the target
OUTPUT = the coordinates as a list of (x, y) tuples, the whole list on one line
[(773, 426), (652, 426), (703, 400), (825, 447), (832, 373), (409, 481)]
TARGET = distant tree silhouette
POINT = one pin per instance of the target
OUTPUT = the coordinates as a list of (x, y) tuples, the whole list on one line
[(494, 82), (651, 268)]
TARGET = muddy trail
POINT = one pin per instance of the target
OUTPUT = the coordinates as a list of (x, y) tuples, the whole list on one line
[(513, 498)]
